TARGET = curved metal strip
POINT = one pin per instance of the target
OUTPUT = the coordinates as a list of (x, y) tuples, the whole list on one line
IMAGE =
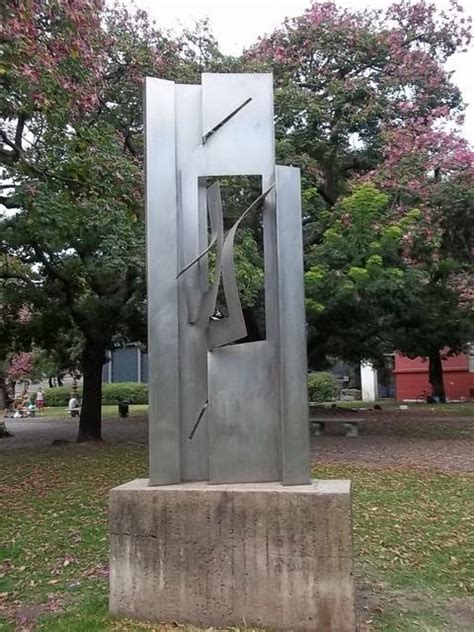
[(202, 306), (216, 217), (232, 328)]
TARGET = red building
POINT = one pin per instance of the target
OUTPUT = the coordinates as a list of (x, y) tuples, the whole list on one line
[(411, 377)]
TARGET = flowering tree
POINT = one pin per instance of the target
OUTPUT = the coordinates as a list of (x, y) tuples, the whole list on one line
[(71, 153), (347, 78), (365, 97), (20, 367)]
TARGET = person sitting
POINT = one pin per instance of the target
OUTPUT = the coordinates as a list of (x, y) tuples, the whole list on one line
[(74, 407), (30, 408)]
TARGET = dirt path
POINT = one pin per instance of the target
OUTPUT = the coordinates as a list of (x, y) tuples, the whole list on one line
[(393, 451), (40, 432), (386, 439)]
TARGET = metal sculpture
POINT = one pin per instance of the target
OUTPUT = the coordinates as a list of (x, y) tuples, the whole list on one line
[(220, 411)]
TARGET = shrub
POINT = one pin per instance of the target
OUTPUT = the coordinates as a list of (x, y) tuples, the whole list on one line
[(134, 392), (58, 396), (322, 387)]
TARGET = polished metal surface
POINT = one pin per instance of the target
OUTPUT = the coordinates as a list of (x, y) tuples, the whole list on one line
[(220, 411), (162, 253), (292, 338), (244, 428)]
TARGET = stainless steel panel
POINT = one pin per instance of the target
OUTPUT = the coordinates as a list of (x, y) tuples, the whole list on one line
[(192, 239), (162, 242), (245, 144), (244, 427), (292, 336)]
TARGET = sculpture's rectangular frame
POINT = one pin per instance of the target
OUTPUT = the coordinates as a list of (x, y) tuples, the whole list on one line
[(255, 427)]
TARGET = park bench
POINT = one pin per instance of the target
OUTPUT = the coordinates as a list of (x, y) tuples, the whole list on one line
[(318, 422), (318, 425), (74, 412)]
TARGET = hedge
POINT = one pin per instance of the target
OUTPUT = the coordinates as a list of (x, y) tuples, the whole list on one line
[(322, 387), (134, 392)]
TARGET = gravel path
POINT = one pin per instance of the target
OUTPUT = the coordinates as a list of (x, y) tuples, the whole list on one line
[(38, 432), (386, 440), (448, 455)]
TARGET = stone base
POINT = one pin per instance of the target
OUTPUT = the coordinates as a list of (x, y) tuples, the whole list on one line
[(256, 555)]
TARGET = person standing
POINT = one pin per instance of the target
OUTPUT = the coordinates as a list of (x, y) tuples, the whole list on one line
[(40, 401)]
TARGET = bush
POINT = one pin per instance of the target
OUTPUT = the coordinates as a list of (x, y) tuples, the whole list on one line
[(134, 392), (322, 387), (58, 396)]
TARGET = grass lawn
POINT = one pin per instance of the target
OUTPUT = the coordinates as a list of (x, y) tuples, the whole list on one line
[(412, 530), (107, 411), (465, 409)]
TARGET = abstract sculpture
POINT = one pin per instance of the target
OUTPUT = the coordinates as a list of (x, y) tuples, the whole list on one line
[(221, 411), (224, 410)]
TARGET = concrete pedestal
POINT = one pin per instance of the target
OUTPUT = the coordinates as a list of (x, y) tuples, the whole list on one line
[(256, 555)]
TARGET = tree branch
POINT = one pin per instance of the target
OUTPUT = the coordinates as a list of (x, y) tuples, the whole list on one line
[(16, 151), (20, 126), (8, 202)]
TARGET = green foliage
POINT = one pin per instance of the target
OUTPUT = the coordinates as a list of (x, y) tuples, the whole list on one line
[(134, 392), (249, 268), (72, 129), (322, 387), (366, 294), (356, 279)]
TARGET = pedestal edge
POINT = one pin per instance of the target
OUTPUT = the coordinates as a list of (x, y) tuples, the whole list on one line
[(317, 486)]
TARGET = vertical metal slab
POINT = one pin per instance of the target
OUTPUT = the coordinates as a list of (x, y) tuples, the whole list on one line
[(192, 240), (292, 343), (162, 240), (244, 426), (271, 262)]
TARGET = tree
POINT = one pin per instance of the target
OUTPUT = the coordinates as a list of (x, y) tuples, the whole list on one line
[(376, 283), (356, 279), (343, 77), (433, 170), (365, 95), (71, 154)]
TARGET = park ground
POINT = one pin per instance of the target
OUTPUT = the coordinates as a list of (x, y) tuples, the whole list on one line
[(413, 482)]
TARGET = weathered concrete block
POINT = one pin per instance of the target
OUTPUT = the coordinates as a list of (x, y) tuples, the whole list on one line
[(254, 554)]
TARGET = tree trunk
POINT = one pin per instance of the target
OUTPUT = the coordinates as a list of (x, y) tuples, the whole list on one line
[(254, 332), (3, 393), (435, 372), (90, 423)]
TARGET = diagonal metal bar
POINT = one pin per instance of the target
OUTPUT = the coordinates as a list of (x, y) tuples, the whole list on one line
[(198, 420), (217, 127), (198, 258)]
